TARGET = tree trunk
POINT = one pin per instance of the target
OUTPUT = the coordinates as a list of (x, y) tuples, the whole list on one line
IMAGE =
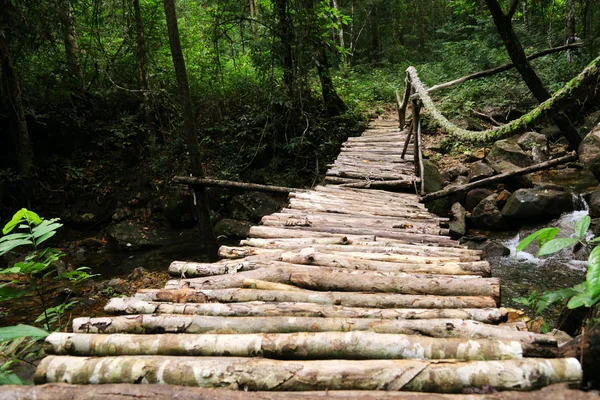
[(284, 32), (263, 374), (285, 346), (333, 104), (72, 48), (200, 207), (16, 112), (570, 6), (517, 55), (141, 55)]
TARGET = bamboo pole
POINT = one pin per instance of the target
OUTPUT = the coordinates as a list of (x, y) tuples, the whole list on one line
[(255, 374)]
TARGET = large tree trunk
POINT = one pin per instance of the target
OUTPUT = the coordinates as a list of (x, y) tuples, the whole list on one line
[(16, 111), (284, 32), (285, 346), (200, 207), (263, 374), (72, 48), (141, 55), (333, 104), (517, 55)]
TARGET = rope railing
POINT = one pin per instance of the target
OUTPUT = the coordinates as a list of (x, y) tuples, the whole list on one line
[(415, 90)]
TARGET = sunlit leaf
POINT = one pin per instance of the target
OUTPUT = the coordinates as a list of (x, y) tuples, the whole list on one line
[(582, 226), (18, 331), (592, 277), (547, 233), (556, 245)]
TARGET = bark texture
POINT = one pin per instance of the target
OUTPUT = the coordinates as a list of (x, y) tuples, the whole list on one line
[(255, 374)]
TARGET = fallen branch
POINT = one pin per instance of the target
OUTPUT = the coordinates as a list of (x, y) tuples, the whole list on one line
[(254, 187), (497, 178)]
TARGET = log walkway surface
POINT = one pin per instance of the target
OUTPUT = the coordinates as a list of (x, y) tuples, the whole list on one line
[(348, 288)]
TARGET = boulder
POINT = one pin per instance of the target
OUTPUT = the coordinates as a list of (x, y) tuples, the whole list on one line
[(552, 132), (477, 155), (129, 235), (433, 183), (589, 151), (487, 215), (490, 248), (528, 204), (233, 228), (456, 171), (589, 122), (474, 196), (595, 203), (457, 225), (502, 198), (507, 156), (253, 206), (529, 140), (479, 170)]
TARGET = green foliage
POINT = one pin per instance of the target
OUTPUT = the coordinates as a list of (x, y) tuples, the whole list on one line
[(586, 293)]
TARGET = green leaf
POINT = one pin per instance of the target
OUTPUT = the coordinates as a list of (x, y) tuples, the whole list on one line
[(16, 220), (45, 227), (9, 293), (9, 378), (8, 246), (595, 240), (14, 236), (44, 237), (592, 278), (547, 233), (556, 245), (580, 300), (556, 296), (582, 226), (18, 331)]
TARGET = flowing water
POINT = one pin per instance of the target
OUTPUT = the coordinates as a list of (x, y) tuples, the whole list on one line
[(524, 272)]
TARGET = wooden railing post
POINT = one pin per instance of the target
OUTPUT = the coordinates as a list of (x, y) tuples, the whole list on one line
[(414, 128), (404, 104)]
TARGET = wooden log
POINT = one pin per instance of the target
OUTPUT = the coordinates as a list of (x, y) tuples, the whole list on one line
[(188, 268), (132, 305), (358, 246), (330, 223), (502, 68), (264, 374), (586, 347), (336, 281), (310, 219), (534, 345), (352, 196), (205, 182), (270, 286), (498, 178), (285, 346), (402, 106), (63, 391), (293, 231), (347, 299)]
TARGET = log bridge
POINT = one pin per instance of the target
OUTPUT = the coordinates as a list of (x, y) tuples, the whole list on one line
[(354, 290), (349, 288)]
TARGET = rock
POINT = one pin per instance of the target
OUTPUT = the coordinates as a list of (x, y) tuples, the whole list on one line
[(456, 171), (502, 198), (538, 155), (529, 140), (490, 248), (589, 122), (552, 132), (477, 155), (479, 170), (528, 204), (507, 156), (121, 213), (233, 228), (253, 206), (87, 212), (487, 214), (594, 203), (461, 180), (560, 336), (178, 209), (433, 183), (457, 225), (507, 152), (595, 226), (474, 196), (137, 273), (128, 235), (589, 151)]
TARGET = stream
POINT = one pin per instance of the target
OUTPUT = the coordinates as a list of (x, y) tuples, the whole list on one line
[(523, 273)]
